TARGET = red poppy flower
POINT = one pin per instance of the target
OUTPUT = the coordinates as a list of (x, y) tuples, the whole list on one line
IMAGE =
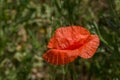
[(70, 42)]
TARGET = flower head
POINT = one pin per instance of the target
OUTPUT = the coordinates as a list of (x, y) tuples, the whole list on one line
[(70, 42)]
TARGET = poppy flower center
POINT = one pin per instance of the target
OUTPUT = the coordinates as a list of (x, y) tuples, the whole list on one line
[(76, 45)]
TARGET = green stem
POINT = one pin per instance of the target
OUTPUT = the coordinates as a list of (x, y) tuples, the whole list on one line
[(53, 72), (74, 71), (63, 71), (101, 38)]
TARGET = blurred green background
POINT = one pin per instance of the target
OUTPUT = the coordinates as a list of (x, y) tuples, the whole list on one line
[(27, 25)]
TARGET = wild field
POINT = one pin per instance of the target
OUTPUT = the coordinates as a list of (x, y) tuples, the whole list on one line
[(26, 27)]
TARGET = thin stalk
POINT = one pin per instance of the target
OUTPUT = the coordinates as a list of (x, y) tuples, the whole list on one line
[(63, 72), (52, 72), (101, 38), (74, 72)]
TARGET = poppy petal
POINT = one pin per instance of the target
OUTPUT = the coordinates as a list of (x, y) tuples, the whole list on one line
[(60, 57), (89, 48), (68, 37)]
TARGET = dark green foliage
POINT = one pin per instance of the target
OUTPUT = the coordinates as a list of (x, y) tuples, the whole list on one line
[(27, 25)]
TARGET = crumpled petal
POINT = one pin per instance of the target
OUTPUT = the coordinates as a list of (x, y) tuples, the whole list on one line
[(60, 57), (70, 42), (70, 37), (90, 46)]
